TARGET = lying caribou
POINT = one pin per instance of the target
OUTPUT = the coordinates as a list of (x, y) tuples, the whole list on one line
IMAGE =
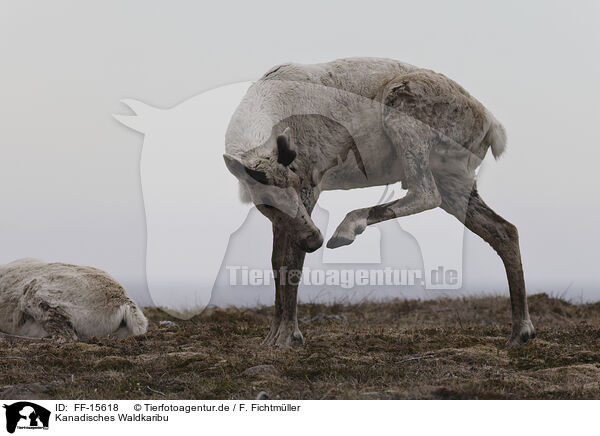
[(358, 122), (65, 302)]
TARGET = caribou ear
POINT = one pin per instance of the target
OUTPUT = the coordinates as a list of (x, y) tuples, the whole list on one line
[(241, 171), (285, 153), (234, 165)]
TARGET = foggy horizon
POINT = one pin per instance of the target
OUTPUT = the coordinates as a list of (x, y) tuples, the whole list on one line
[(70, 173)]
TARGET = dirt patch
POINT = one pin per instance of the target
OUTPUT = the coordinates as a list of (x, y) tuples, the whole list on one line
[(440, 349)]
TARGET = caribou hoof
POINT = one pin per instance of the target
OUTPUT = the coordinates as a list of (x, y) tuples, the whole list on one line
[(524, 334), (337, 241), (284, 336), (353, 225)]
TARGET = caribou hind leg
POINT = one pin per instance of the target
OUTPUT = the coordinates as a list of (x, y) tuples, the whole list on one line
[(470, 209), (58, 325), (53, 319), (432, 180)]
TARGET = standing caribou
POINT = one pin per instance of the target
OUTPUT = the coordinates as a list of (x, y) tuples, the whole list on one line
[(358, 122)]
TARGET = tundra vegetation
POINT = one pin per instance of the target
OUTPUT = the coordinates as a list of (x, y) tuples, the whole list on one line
[(436, 349)]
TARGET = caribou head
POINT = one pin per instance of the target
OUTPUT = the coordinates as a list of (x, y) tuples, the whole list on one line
[(269, 179)]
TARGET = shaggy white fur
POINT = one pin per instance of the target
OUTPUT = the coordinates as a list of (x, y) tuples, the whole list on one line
[(39, 299)]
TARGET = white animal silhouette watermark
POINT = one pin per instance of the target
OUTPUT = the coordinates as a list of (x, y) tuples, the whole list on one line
[(198, 231)]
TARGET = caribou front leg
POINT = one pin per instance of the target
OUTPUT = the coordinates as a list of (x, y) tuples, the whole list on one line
[(422, 195), (413, 141), (287, 261)]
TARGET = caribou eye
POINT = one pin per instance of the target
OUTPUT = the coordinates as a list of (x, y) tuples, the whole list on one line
[(258, 176)]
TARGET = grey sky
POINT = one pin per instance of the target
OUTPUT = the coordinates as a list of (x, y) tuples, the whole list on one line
[(69, 173)]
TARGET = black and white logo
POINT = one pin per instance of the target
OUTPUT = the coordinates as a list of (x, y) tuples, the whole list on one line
[(26, 415)]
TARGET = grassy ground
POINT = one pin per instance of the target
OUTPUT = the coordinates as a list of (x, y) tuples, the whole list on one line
[(442, 349)]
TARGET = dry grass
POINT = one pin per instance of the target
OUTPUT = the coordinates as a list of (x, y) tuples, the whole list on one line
[(400, 349)]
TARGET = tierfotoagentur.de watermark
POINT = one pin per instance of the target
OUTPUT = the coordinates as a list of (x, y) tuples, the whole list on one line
[(344, 278)]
